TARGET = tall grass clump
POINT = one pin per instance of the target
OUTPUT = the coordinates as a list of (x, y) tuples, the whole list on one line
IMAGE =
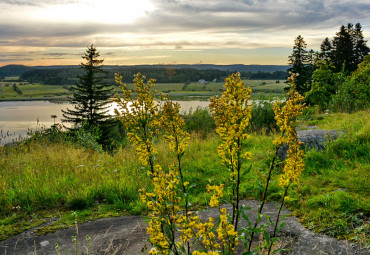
[(44, 175)]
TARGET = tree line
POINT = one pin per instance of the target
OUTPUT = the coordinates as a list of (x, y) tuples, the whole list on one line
[(67, 76), (337, 76)]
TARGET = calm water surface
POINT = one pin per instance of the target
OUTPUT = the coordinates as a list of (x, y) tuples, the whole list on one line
[(16, 117)]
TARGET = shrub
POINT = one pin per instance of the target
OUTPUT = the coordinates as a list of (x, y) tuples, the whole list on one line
[(354, 93), (263, 116), (199, 121)]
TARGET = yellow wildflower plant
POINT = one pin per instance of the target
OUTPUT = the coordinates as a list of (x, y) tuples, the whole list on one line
[(218, 194), (226, 232), (141, 117), (287, 120), (232, 112), (173, 125), (177, 139), (205, 233), (163, 204)]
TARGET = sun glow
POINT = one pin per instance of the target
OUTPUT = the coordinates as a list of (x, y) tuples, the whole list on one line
[(100, 11)]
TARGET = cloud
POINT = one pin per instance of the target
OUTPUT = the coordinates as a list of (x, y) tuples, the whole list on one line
[(37, 2), (171, 16), (178, 25), (15, 60), (60, 54)]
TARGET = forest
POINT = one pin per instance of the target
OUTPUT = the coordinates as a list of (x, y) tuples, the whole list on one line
[(65, 76)]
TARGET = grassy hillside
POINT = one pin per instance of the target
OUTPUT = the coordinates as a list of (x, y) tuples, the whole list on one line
[(44, 180)]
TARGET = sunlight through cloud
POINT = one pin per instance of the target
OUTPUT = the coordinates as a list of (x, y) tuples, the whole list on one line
[(107, 11)]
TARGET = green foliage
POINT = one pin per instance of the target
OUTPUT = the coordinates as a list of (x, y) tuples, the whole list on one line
[(334, 199), (77, 204), (354, 93), (263, 116), (88, 137), (199, 121), (323, 87)]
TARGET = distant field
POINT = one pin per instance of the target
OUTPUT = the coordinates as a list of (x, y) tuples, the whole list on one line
[(179, 91), (31, 91)]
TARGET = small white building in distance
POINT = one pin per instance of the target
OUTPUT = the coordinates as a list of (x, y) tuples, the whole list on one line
[(202, 81)]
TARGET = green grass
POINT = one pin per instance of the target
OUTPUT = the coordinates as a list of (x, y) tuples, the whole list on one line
[(334, 194), (177, 91), (45, 180), (31, 91)]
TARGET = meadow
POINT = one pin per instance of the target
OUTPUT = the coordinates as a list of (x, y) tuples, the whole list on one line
[(332, 196), (177, 91)]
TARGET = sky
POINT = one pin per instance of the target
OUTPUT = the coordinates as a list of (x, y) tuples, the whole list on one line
[(132, 32)]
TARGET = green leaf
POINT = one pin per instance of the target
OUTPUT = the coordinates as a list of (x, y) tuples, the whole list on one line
[(246, 171), (267, 237), (248, 253), (268, 218), (281, 226)]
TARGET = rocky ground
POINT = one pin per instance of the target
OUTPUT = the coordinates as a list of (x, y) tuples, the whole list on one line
[(127, 235)]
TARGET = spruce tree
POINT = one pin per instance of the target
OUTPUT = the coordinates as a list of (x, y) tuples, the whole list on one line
[(343, 54), (326, 50), (348, 48), (91, 95), (360, 47), (300, 61)]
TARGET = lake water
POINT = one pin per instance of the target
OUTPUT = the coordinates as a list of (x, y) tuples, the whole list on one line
[(16, 117)]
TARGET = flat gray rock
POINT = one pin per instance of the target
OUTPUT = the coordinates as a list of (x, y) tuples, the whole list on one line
[(312, 138), (127, 235)]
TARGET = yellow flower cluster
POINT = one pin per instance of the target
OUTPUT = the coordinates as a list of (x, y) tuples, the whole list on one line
[(205, 253), (232, 113), (173, 125), (226, 232), (205, 232), (141, 117), (286, 119), (218, 194), (157, 237), (186, 227), (163, 206)]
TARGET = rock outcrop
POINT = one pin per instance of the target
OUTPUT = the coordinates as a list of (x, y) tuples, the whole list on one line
[(312, 138)]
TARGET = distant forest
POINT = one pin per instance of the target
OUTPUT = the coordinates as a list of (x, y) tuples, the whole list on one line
[(68, 75)]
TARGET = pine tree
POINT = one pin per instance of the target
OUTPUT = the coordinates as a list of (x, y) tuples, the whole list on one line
[(91, 96), (300, 61)]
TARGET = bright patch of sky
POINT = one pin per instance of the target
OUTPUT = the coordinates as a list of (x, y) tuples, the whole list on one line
[(52, 32)]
